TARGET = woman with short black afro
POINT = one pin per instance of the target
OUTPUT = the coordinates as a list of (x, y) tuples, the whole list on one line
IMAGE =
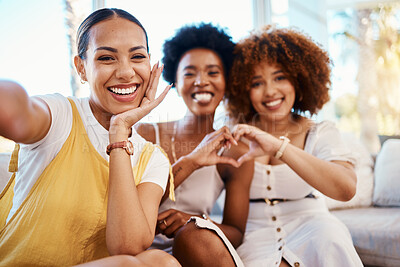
[(279, 78), (189, 37), (197, 60)]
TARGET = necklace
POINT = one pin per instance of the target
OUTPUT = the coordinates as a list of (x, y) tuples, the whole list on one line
[(173, 142)]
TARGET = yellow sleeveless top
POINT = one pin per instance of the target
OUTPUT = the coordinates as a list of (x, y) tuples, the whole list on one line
[(62, 221)]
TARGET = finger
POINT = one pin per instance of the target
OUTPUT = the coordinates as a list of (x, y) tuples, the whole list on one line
[(221, 142), (245, 157), (153, 88), (242, 131), (162, 225), (152, 76), (165, 214), (228, 160), (221, 151), (150, 105), (173, 228), (229, 138)]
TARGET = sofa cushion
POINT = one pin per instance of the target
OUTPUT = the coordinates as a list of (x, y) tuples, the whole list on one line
[(365, 175), (387, 175), (375, 232)]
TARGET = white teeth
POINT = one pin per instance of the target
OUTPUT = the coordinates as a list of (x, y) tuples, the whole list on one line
[(123, 91), (273, 103), (203, 97)]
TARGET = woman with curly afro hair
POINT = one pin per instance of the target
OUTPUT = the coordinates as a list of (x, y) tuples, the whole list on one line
[(197, 61), (279, 78)]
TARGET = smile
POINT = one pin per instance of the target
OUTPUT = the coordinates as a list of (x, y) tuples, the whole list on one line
[(202, 97), (273, 103), (122, 91)]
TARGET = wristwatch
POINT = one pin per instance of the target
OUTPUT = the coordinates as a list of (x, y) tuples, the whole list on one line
[(127, 145)]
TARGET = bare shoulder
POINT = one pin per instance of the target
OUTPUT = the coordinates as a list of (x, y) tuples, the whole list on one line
[(146, 130)]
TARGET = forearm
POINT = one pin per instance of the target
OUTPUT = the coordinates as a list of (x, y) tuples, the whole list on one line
[(182, 169), (128, 230), (331, 179)]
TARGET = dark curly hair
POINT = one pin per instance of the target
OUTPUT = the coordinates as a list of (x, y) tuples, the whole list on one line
[(196, 36), (305, 64)]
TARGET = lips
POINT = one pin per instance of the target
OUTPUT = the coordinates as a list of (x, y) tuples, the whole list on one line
[(203, 97), (273, 103), (122, 91)]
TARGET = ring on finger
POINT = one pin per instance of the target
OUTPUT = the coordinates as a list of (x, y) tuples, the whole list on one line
[(164, 222)]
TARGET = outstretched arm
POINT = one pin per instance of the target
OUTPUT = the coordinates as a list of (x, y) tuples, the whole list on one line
[(23, 119), (335, 179)]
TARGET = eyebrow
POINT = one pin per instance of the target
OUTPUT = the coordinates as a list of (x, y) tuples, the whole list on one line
[(111, 49), (208, 66), (259, 76)]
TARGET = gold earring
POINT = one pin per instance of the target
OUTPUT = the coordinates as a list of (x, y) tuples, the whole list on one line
[(82, 81)]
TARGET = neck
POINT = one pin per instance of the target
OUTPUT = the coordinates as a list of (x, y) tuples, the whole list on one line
[(101, 116)]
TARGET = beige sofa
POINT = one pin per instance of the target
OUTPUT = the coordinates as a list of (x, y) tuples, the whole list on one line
[(373, 215)]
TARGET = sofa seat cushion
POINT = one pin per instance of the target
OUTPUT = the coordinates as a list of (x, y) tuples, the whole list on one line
[(375, 232)]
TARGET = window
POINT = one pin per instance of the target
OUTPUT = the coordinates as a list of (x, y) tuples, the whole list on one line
[(364, 43)]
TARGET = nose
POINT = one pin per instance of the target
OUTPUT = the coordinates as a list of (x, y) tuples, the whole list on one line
[(125, 71), (201, 80), (269, 89)]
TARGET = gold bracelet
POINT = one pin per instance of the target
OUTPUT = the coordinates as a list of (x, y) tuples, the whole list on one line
[(282, 148)]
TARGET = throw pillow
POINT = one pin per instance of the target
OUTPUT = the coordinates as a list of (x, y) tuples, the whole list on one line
[(387, 175), (365, 176)]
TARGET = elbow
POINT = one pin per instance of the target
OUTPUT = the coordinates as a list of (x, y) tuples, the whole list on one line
[(235, 236), (131, 247), (350, 190)]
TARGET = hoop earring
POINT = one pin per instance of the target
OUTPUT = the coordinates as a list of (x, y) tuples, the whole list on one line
[(82, 81)]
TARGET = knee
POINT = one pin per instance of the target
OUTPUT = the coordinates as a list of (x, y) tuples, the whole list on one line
[(192, 244), (161, 258), (192, 239), (123, 260)]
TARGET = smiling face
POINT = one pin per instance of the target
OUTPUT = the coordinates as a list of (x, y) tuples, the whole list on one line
[(272, 94), (117, 67), (200, 80)]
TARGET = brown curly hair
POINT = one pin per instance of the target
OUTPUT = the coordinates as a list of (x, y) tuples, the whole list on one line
[(305, 64)]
